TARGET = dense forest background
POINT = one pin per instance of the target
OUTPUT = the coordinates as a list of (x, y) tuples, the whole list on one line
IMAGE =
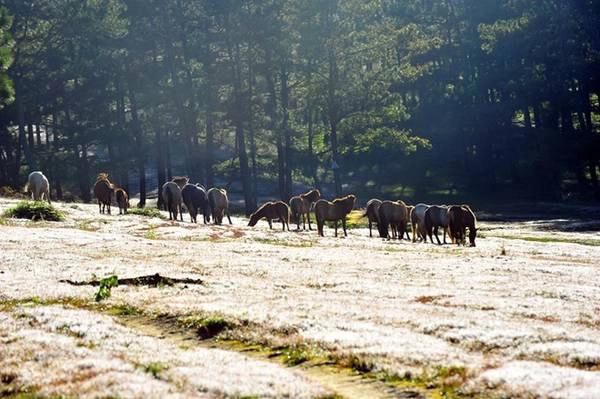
[(415, 99)]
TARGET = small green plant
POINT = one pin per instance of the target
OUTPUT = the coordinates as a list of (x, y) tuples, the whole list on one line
[(35, 210), (105, 286), (295, 356), (155, 368), (151, 234), (148, 212)]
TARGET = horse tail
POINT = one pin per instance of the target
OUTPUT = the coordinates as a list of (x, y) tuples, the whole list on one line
[(169, 199)]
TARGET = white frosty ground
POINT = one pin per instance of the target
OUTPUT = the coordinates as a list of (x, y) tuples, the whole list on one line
[(407, 307), (80, 353)]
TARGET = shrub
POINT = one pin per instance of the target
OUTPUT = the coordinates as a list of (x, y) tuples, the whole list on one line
[(148, 212), (35, 210)]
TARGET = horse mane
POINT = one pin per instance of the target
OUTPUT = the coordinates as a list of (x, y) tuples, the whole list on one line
[(311, 195), (103, 176), (344, 199), (180, 179)]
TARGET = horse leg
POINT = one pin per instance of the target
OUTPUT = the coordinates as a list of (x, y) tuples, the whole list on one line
[(445, 232), (270, 223), (282, 222), (414, 231), (435, 231), (228, 218), (335, 224), (344, 226), (370, 228), (308, 217)]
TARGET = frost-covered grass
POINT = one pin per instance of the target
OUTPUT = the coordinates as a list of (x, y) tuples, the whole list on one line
[(412, 313)]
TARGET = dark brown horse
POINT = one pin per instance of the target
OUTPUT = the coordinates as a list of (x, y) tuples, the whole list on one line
[(334, 211), (103, 190), (394, 215), (435, 217), (300, 207), (122, 200), (461, 217), (272, 211), (371, 213)]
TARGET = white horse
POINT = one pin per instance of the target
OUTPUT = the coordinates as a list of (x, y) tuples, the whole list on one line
[(38, 185)]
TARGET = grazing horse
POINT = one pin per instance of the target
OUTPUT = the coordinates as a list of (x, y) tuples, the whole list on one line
[(334, 211), (171, 192), (371, 213), (300, 207), (219, 204), (461, 217), (435, 217), (39, 186), (272, 211), (392, 214), (122, 200), (417, 218), (196, 201), (103, 190)]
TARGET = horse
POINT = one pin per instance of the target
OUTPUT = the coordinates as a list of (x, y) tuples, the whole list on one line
[(436, 216), (461, 217), (409, 209), (278, 210), (392, 214), (371, 213), (196, 201), (334, 211), (417, 218), (103, 190), (300, 207), (171, 192), (122, 200), (39, 186), (219, 204)]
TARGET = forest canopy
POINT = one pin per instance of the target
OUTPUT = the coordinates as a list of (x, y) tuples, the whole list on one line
[(416, 99)]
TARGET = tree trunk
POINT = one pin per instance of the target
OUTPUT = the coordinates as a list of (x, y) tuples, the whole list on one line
[(210, 149), (160, 166), (140, 156), (285, 129), (311, 152), (250, 206)]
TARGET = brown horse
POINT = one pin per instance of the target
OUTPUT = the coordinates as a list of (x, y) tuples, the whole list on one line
[(334, 211), (392, 214), (461, 217), (103, 190), (219, 204), (371, 213), (417, 218), (122, 200), (272, 211), (300, 207), (435, 217)]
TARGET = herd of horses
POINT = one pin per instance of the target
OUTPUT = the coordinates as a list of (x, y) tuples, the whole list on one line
[(392, 218)]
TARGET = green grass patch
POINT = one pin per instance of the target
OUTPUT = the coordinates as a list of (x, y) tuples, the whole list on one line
[(285, 243), (147, 212), (545, 239), (207, 327), (35, 210), (151, 234), (155, 368), (356, 220), (86, 225), (124, 310), (294, 356)]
